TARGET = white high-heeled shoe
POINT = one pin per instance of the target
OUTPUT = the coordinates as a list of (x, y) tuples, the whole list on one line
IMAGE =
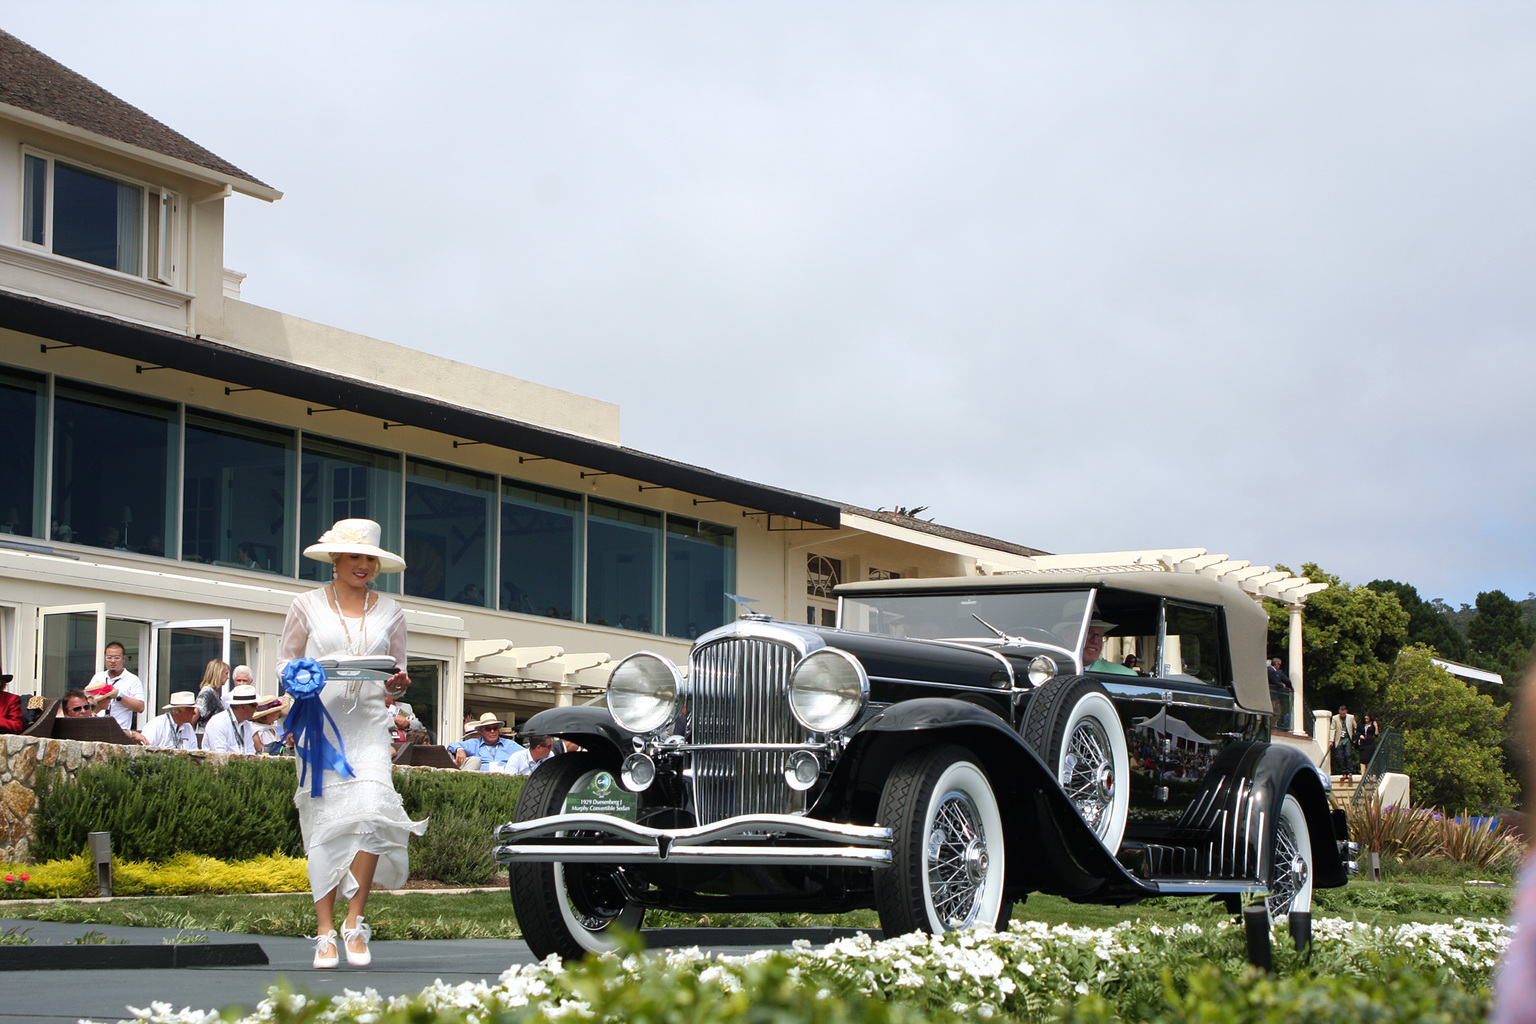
[(364, 932), (325, 950)]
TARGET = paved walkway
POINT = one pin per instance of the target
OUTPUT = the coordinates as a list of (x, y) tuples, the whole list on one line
[(64, 996), (58, 996)]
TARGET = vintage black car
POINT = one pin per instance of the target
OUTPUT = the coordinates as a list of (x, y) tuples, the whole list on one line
[(953, 746)]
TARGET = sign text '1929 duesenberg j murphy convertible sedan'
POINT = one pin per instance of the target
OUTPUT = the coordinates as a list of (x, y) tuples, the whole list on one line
[(951, 747)]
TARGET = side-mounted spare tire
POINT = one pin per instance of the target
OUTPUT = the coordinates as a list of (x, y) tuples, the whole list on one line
[(1073, 725), (569, 909)]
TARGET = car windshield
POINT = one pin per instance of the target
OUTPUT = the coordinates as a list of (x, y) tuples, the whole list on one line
[(1051, 617)]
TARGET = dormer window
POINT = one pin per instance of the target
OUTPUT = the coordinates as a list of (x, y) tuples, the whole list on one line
[(87, 215)]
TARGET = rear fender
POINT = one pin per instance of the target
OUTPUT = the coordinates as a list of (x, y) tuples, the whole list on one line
[(1280, 770)]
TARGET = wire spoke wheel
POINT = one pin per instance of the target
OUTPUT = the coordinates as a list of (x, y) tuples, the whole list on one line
[(1290, 872), (1088, 774), (948, 863)]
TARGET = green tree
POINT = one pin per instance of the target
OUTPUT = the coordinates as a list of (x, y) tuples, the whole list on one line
[(1427, 623), (1451, 735), (1350, 636), (1499, 637)]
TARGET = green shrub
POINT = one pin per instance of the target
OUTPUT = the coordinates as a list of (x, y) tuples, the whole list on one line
[(465, 809), (157, 807)]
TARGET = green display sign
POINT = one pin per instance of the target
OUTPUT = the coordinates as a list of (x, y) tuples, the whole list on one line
[(602, 794)]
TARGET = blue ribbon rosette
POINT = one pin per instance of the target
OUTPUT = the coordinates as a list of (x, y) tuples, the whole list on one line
[(303, 679)]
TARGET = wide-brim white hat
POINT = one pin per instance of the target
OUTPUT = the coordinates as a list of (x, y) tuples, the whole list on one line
[(245, 693), (355, 537), (181, 700)]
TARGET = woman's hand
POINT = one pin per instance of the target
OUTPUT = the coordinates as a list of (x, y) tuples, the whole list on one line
[(396, 684)]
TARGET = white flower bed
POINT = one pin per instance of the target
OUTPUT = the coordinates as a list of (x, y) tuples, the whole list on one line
[(978, 973)]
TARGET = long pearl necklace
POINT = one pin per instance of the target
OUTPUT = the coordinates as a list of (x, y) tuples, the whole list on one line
[(359, 645)]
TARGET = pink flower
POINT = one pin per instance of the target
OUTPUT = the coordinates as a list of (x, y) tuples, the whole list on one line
[(26, 878), (10, 878)]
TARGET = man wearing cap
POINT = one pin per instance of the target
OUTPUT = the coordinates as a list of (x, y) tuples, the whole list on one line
[(116, 691), (1093, 645), (173, 728), (10, 706), (484, 749), (231, 731)]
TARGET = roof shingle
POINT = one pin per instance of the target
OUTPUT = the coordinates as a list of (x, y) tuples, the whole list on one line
[(34, 81)]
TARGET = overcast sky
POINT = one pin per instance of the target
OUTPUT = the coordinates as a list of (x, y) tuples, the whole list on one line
[(1251, 277)]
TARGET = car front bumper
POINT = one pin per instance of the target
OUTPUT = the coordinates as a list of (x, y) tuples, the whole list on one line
[(747, 839)]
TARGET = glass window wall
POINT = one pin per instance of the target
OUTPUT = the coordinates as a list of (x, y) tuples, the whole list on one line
[(112, 480), (701, 570), (448, 516), (237, 494), (23, 410), (540, 551), (343, 481), (623, 566)]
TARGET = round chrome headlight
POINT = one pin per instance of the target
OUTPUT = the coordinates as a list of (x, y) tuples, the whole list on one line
[(827, 690), (642, 692), (1041, 669)]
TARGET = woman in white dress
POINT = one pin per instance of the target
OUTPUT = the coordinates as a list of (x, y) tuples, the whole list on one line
[(355, 832)]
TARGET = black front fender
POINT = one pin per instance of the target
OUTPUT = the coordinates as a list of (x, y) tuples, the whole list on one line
[(1051, 848), (586, 726)]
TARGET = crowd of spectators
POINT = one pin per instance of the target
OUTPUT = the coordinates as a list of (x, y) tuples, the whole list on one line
[(485, 748), (226, 714)]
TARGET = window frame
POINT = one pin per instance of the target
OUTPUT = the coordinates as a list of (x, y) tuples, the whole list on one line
[(159, 242)]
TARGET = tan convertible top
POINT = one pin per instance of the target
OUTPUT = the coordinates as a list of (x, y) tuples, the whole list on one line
[(1247, 623)]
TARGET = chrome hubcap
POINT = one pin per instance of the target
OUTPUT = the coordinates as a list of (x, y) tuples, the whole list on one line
[(1088, 774), (957, 861)]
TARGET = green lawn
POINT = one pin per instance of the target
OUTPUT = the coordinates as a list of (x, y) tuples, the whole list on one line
[(489, 914)]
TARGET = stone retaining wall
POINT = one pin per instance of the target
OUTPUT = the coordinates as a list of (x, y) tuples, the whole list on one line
[(18, 779)]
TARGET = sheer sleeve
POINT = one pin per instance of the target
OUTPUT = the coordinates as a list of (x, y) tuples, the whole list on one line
[(295, 636), (397, 634)]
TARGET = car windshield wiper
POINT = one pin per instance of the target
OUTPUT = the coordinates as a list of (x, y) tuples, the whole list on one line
[(1000, 634)]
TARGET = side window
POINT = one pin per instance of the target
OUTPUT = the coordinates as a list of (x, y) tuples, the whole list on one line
[(1192, 644)]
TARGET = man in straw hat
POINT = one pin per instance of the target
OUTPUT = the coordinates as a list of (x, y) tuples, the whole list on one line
[(231, 731), (173, 727), (484, 748)]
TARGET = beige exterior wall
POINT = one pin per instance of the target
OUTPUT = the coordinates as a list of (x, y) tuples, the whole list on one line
[(354, 355)]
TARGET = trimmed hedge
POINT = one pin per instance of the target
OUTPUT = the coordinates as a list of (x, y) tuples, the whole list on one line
[(159, 807)]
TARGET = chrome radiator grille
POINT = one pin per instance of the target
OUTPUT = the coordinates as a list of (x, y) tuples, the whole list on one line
[(739, 693)]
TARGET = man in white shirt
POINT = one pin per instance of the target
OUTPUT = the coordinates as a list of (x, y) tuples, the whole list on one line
[(116, 691), (174, 728), (231, 731), (241, 674), (539, 750)]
